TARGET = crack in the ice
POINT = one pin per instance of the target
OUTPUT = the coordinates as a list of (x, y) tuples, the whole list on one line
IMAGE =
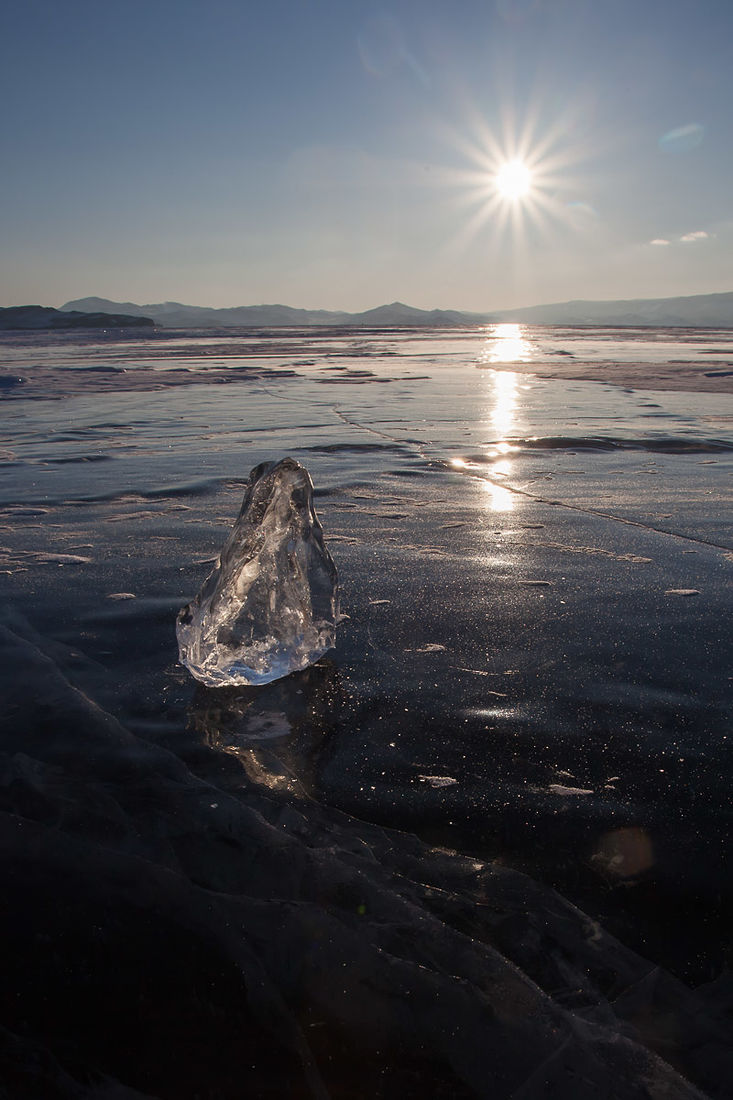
[(531, 496), (584, 510)]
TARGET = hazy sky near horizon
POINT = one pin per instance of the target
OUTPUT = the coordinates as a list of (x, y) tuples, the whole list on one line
[(341, 154)]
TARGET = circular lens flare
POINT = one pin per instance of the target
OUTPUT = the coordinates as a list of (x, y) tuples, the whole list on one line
[(513, 180)]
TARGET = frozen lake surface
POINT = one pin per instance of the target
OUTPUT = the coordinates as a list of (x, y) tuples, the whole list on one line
[(537, 667)]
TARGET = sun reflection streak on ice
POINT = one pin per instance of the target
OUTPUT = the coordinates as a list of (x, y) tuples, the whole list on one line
[(501, 499), (506, 344), (505, 401), (501, 415)]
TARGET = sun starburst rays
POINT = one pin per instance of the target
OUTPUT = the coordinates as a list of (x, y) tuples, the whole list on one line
[(519, 182)]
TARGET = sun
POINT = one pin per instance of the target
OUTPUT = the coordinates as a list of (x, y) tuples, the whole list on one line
[(522, 181), (513, 180)]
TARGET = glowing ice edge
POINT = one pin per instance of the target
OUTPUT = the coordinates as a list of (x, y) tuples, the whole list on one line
[(270, 606)]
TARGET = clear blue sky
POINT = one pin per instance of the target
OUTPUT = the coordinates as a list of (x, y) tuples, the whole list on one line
[(340, 154)]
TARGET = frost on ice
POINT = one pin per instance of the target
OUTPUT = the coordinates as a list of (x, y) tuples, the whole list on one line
[(270, 606)]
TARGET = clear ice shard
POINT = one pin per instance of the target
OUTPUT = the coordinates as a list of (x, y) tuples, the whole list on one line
[(270, 607)]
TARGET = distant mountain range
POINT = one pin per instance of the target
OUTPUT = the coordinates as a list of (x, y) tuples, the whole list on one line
[(699, 310), (176, 315), (44, 317)]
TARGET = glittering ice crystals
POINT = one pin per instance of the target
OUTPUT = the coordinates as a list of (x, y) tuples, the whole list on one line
[(270, 606)]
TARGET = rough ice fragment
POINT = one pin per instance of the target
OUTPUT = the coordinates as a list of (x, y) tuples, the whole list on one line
[(270, 606)]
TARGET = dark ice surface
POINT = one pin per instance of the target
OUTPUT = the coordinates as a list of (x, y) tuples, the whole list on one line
[(344, 883)]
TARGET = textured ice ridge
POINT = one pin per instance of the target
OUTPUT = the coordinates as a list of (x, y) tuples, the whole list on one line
[(270, 606)]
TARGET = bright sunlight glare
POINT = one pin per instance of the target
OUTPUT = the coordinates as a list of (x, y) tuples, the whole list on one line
[(513, 180), (522, 180)]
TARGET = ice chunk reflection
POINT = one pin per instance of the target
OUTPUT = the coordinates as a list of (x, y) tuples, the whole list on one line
[(277, 733)]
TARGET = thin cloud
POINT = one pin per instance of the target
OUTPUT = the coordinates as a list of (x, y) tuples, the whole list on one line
[(682, 139), (659, 240), (698, 235)]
